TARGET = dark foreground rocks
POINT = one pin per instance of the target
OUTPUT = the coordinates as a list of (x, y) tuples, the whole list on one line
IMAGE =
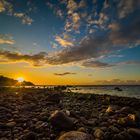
[(75, 135), (38, 114)]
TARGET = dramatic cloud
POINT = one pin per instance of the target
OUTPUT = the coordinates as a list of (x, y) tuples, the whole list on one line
[(63, 42), (63, 74), (36, 59), (6, 40), (88, 48), (109, 32), (42, 58)]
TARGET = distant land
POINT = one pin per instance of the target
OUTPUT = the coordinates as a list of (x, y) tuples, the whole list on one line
[(5, 81)]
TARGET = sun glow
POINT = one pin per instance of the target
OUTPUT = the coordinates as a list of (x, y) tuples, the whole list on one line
[(20, 79)]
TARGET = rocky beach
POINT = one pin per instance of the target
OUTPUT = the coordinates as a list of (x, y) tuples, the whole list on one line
[(44, 114)]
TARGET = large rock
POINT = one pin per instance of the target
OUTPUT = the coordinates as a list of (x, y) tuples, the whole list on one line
[(122, 136), (134, 132), (75, 135), (61, 121)]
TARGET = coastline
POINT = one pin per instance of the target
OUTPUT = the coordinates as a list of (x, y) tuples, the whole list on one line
[(29, 113)]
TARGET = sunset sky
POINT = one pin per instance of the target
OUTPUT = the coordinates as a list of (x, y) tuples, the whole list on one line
[(70, 41)]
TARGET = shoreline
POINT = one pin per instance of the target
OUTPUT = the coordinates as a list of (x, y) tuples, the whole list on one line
[(29, 113)]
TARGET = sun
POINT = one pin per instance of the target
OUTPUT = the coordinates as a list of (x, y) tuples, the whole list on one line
[(20, 79)]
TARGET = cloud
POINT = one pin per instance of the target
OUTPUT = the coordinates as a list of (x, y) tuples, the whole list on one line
[(6, 40), (126, 34), (72, 5), (125, 7), (2, 6), (7, 8), (42, 59), (103, 18), (63, 42), (130, 62), (63, 74), (96, 64), (25, 19), (88, 48), (117, 82), (35, 60), (56, 9)]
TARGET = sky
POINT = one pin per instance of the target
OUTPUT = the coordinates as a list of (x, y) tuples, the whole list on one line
[(76, 42)]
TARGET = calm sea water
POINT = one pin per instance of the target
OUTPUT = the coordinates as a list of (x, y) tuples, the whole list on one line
[(127, 91)]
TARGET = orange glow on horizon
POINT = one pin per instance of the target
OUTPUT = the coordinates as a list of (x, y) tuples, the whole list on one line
[(20, 79)]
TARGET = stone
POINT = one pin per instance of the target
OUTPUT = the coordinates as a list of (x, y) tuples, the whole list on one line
[(82, 129), (98, 133), (3, 138), (54, 98), (92, 122), (134, 132), (125, 109), (10, 124), (61, 121), (111, 109), (126, 121), (2, 125), (29, 136), (75, 135), (113, 129), (118, 137)]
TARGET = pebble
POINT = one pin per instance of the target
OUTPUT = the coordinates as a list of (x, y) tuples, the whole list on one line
[(10, 124), (29, 136), (98, 133)]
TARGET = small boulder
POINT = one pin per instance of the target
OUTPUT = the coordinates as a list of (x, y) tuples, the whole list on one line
[(61, 121), (75, 135), (99, 133), (126, 110), (122, 136), (134, 132)]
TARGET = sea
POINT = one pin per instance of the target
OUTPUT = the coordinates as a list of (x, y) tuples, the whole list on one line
[(125, 90)]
